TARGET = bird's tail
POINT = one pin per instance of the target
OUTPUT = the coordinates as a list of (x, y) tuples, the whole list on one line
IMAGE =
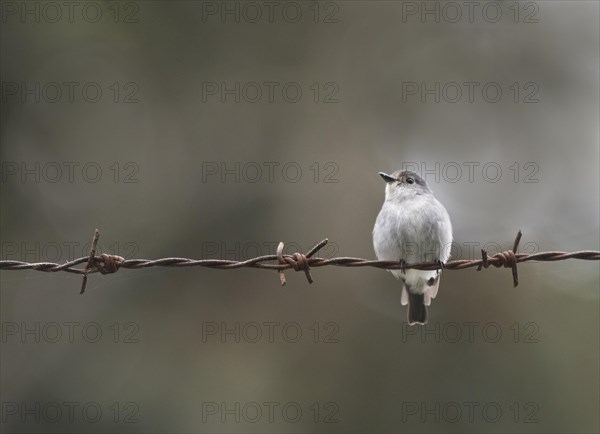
[(417, 311)]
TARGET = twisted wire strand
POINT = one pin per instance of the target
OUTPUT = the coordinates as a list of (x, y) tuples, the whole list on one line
[(106, 264)]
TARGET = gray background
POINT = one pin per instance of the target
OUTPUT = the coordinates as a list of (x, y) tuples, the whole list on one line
[(375, 367)]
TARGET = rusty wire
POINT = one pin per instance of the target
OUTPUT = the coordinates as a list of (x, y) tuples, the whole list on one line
[(106, 264)]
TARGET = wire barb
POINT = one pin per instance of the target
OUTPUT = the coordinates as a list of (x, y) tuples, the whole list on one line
[(298, 261), (106, 264), (90, 260), (506, 259)]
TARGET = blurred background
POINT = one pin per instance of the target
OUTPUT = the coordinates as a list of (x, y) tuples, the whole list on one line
[(217, 129)]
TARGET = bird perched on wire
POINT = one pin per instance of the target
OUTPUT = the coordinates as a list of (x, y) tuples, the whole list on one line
[(413, 226)]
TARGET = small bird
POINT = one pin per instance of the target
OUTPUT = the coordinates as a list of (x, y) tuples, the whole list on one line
[(413, 226)]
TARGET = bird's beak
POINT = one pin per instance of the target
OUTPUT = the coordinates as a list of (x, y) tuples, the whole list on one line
[(386, 177)]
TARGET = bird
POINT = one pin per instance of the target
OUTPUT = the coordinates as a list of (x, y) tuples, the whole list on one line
[(413, 226)]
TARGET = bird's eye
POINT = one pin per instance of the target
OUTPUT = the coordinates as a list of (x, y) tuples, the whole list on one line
[(410, 181)]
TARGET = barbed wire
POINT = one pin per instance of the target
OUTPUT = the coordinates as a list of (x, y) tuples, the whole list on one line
[(106, 264)]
